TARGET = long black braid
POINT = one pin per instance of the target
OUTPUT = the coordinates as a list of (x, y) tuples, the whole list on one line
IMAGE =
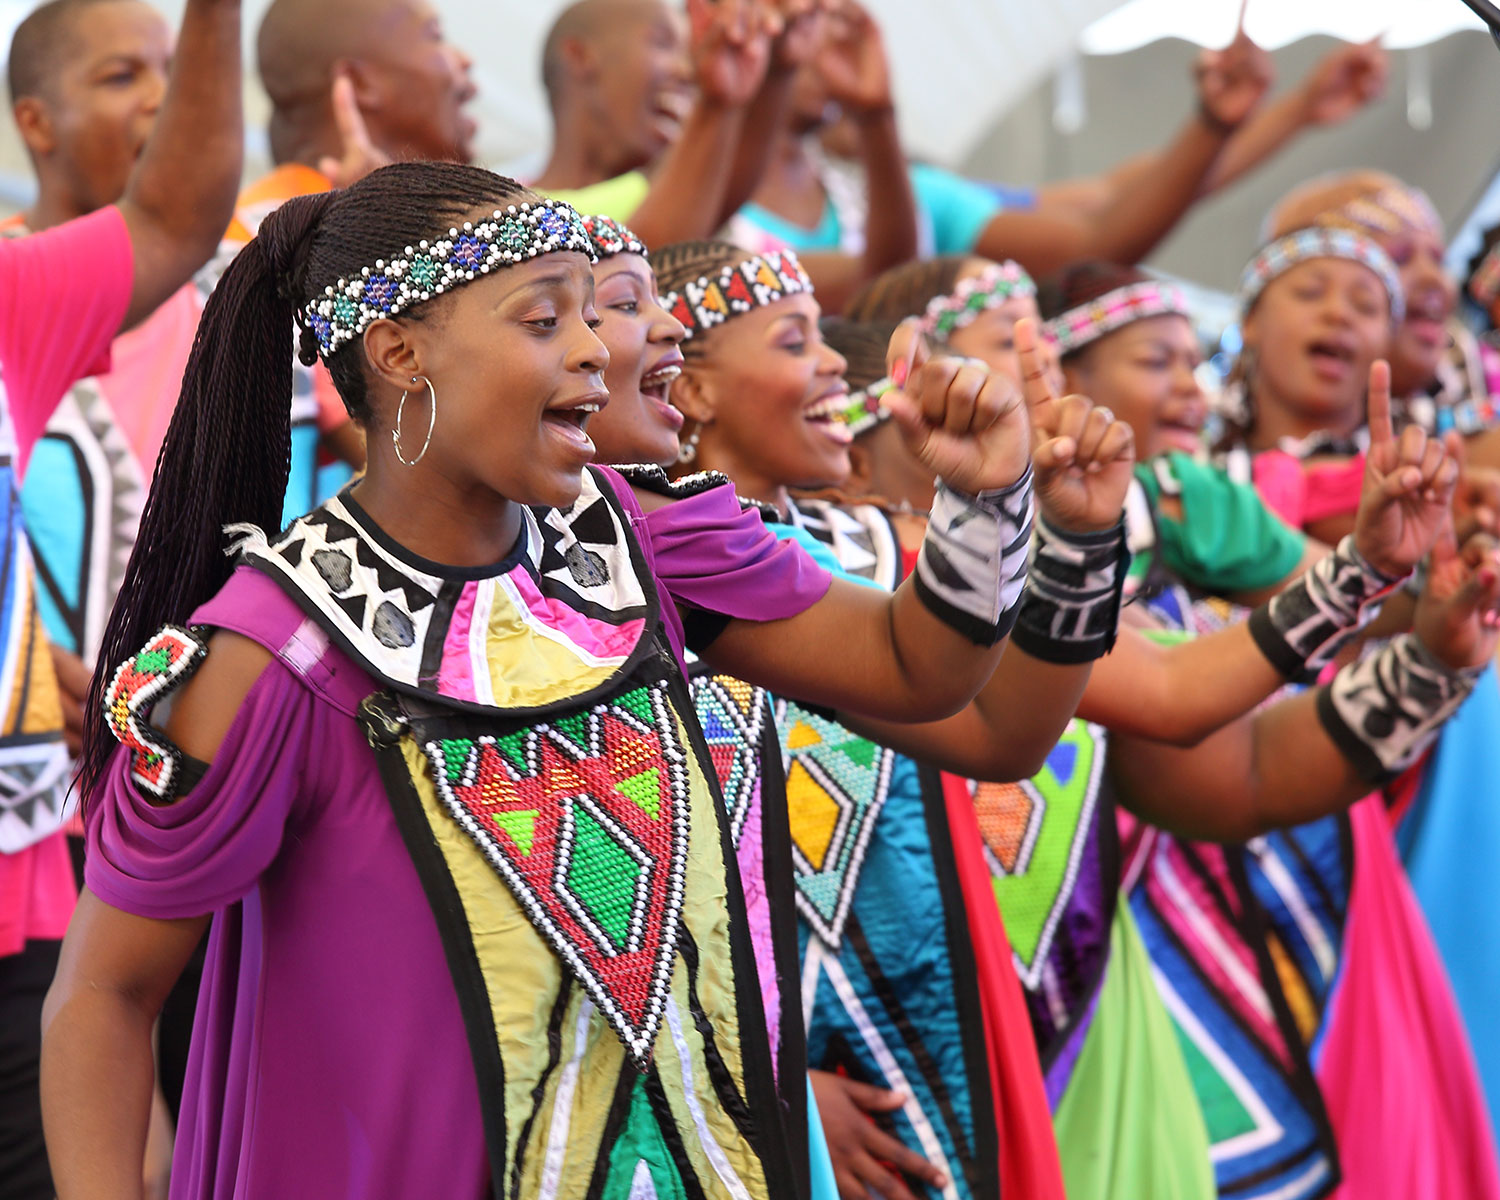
[(227, 451)]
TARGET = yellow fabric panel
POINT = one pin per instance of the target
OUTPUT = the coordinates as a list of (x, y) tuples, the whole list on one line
[(34, 675), (529, 669), (617, 198)]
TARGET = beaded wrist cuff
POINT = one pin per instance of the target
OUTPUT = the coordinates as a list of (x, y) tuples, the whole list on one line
[(864, 410), (611, 238), (992, 287), (1073, 594), (1285, 253), (1077, 327), (1302, 628), (738, 289), (1484, 284), (1384, 711), (512, 235), (971, 569)]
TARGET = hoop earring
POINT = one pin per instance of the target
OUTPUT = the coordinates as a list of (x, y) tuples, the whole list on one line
[(431, 421), (689, 449)]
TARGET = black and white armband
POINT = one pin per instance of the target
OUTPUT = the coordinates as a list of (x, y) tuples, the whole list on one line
[(1302, 628), (971, 569), (1072, 604), (1385, 710)]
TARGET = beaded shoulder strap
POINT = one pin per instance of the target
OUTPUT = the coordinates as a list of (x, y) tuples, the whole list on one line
[(142, 682)]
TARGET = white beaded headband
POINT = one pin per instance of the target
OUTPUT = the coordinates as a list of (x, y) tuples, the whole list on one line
[(1286, 252), (1077, 327), (511, 235), (735, 290)]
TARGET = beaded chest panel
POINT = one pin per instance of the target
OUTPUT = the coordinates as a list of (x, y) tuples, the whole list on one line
[(585, 818)]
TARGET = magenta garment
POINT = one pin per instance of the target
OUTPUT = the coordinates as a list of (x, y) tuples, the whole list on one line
[(1395, 1067), (329, 1056), (1301, 495)]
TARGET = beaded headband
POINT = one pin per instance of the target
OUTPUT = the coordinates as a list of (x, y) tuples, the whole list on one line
[(511, 235), (1390, 210), (735, 290), (1075, 328), (1285, 253), (1484, 284), (611, 238), (864, 410), (992, 287)]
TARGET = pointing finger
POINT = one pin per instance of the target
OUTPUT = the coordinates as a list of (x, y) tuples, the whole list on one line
[(1041, 403), (1381, 431)]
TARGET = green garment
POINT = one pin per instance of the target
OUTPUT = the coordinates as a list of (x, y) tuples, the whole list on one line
[(1129, 1126), (1228, 540), (616, 198)]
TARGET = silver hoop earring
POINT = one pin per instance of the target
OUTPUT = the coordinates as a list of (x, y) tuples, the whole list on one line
[(689, 449), (431, 421)]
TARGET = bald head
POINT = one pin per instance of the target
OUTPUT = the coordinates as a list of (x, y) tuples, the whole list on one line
[(43, 44), (597, 26), (410, 83)]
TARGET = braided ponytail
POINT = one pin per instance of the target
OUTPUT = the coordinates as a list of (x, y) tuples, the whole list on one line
[(227, 451), (905, 291)]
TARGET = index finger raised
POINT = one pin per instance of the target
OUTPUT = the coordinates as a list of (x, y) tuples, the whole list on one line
[(1041, 402), (1379, 412)]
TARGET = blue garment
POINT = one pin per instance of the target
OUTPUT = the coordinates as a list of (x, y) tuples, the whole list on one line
[(1449, 840)]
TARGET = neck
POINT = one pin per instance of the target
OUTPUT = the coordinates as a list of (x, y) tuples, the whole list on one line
[(435, 518), (580, 158), (53, 206), (307, 140), (1275, 420), (791, 173)]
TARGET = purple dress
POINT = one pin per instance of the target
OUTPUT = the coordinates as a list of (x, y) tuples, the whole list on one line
[(329, 1055)]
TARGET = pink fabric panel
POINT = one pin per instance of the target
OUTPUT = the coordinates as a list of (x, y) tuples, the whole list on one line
[(37, 893), (1396, 1070)]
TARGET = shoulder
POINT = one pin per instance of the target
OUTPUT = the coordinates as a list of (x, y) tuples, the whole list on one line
[(209, 701)]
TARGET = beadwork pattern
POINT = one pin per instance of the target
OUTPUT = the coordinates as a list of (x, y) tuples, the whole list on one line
[(1077, 327), (991, 288), (1285, 253), (141, 682), (610, 237), (836, 784), (738, 289), (417, 273), (586, 819), (864, 410), (732, 714)]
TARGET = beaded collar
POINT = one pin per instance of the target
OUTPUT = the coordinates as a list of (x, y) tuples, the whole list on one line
[(1320, 242), (610, 238), (512, 235), (992, 287), (1077, 327), (1484, 284), (737, 289)]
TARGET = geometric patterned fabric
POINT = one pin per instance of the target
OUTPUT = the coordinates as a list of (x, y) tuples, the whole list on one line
[(733, 716), (167, 660), (585, 818)]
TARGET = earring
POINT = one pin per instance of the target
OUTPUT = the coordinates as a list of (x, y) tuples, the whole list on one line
[(689, 449), (431, 421)]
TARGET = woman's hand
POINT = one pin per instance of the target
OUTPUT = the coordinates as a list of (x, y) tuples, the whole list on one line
[(1457, 616), (965, 423), (859, 1148), (1082, 457), (1408, 487), (1233, 81)]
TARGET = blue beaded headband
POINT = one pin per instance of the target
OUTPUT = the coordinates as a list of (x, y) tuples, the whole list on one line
[(1286, 252), (512, 235)]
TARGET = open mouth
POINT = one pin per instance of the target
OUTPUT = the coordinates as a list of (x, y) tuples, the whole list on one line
[(1331, 359), (827, 415), (571, 423), (655, 386)]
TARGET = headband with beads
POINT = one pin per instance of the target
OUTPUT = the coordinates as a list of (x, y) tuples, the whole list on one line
[(1286, 252), (1077, 327), (992, 287), (735, 290), (1484, 284), (864, 411), (511, 235), (611, 238), (1389, 210)]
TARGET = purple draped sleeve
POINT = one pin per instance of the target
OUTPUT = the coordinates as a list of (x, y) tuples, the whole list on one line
[(710, 554), (208, 848)]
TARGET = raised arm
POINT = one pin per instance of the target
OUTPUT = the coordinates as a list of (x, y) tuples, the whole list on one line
[(1320, 751), (924, 652), (1147, 203), (181, 194), (686, 199)]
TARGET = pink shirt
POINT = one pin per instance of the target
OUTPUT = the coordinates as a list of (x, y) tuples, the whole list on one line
[(63, 295)]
